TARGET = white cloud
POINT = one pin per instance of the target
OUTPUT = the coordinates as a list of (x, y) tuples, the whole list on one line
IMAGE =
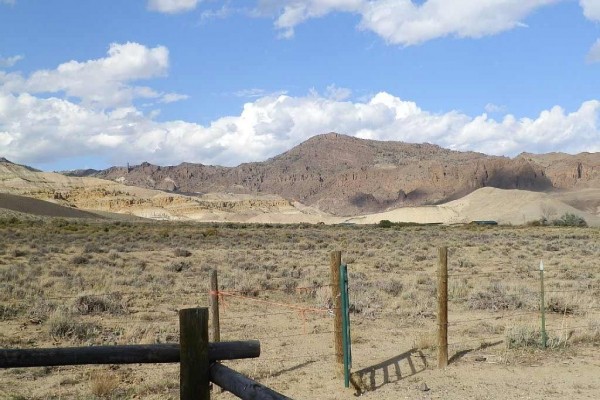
[(593, 55), (10, 61), (406, 22), (172, 6), (35, 130), (337, 93), (173, 97), (103, 82), (7, 1), (591, 9), (223, 12), (255, 93), (494, 108)]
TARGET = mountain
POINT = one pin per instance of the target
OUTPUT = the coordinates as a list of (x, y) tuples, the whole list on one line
[(23, 189), (348, 176)]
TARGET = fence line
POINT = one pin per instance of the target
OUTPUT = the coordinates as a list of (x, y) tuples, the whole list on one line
[(195, 355), (542, 305)]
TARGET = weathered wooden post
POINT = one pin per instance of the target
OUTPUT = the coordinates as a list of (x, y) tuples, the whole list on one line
[(194, 361), (442, 316), (214, 306), (334, 265)]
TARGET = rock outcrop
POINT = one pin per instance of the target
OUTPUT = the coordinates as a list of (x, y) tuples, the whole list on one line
[(344, 175)]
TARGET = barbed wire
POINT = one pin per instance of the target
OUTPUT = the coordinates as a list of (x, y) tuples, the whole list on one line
[(459, 322), (258, 315), (487, 338), (286, 290)]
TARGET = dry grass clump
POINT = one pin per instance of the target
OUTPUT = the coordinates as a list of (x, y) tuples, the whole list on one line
[(523, 336), (178, 266), (590, 335), (393, 287), (179, 252), (104, 384), (62, 325), (496, 297), (92, 304), (8, 312), (41, 309)]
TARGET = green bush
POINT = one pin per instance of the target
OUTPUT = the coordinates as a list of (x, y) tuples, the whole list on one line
[(385, 223), (569, 219)]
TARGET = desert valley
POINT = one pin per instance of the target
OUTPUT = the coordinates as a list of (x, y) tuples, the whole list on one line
[(109, 257)]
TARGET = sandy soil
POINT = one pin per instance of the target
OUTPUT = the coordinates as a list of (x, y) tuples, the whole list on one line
[(142, 273)]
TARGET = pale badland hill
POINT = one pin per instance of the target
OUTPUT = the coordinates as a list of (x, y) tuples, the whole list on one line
[(63, 195)]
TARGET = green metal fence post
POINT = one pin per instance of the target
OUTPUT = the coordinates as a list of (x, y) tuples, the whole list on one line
[(543, 306), (345, 323)]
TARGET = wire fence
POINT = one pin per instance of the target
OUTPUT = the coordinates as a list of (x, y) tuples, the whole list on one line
[(515, 307)]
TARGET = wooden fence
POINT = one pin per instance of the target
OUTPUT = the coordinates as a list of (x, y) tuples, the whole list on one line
[(198, 359)]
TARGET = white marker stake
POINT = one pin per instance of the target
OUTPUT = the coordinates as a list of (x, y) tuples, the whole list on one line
[(541, 265)]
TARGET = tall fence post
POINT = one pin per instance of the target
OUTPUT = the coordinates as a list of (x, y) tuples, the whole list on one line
[(194, 361), (334, 265), (543, 306), (442, 316), (214, 306)]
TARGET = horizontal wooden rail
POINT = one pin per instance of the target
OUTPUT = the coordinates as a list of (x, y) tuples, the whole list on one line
[(241, 386), (129, 354)]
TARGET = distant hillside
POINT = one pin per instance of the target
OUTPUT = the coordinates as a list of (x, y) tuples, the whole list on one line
[(344, 175), (32, 206), (48, 193)]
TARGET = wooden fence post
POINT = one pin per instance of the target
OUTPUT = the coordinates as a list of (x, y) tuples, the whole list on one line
[(214, 306), (194, 361), (442, 316), (334, 265)]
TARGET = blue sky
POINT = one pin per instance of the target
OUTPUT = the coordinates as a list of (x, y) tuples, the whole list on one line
[(97, 83)]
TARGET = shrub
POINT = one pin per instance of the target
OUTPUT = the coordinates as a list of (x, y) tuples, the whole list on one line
[(392, 287), (104, 384), (210, 232), (91, 304), (385, 223), (8, 312), (61, 324), (569, 219), (495, 297), (523, 336), (80, 259), (178, 266), (179, 252)]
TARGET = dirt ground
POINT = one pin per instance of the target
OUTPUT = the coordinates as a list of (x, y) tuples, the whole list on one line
[(66, 283)]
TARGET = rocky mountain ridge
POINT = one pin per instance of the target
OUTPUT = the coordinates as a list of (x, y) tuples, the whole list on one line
[(347, 176)]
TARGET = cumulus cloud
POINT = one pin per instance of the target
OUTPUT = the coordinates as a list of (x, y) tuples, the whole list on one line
[(10, 61), (172, 98), (35, 126), (494, 108), (406, 22), (172, 6), (104, 82), (593, 55), (34, 129), (591, 9)]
